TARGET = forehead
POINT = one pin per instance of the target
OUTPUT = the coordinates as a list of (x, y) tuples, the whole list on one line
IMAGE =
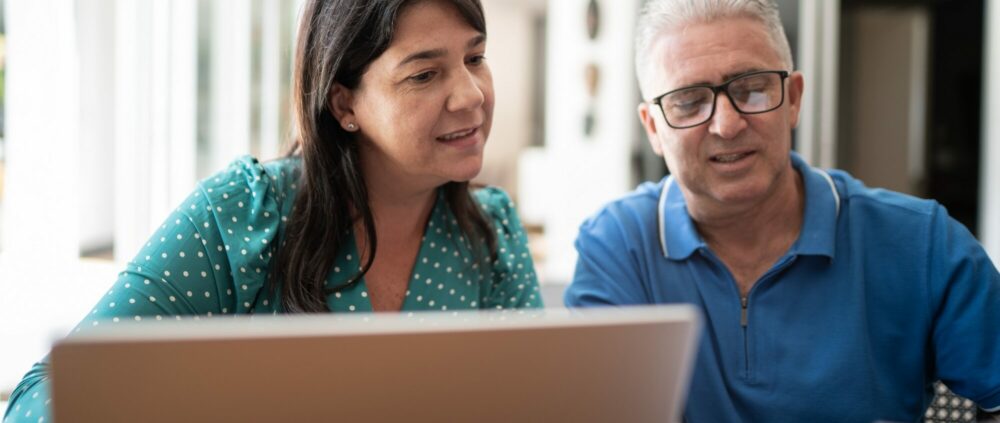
[(711, 52), (429, 24)]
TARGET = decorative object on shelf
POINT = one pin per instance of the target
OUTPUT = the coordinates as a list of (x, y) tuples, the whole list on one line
[(593, 19), (589, 122), (592, 73)]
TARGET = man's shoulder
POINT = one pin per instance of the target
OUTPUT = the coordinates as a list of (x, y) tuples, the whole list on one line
[(635, 208), (641, 201), (860, 198)]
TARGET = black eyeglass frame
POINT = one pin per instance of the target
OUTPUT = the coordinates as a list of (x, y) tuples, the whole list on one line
[(716, 89)]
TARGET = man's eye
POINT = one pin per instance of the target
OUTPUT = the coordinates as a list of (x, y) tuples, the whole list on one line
[(751, 84), (686, 107), (751, 87), (477, 60), (689, 102)]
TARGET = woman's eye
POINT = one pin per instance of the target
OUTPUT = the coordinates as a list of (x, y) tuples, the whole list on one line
[(423, 76), (477, 60)]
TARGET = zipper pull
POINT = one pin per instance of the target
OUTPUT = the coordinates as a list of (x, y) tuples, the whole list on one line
[(743, 313)]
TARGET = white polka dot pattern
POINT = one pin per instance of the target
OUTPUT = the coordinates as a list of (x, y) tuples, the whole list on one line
[(447, 274), (211, 258), (949, 408)]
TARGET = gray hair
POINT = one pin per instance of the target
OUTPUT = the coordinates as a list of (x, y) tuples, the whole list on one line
[(658, 16)]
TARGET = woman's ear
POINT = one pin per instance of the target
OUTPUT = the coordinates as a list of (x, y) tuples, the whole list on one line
[(342, 106)]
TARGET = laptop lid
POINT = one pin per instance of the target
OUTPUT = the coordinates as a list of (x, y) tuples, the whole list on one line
[(598, 365)]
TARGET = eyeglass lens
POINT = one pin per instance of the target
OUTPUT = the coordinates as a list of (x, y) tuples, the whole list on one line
[(754, 93)]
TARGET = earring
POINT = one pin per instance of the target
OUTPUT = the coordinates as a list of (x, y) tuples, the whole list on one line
[(351, 126)]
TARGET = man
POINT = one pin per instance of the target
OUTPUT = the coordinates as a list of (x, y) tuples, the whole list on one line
[(824, 300)]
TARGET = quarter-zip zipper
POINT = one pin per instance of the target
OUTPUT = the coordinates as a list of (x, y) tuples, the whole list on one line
[(743, 314), (746, 338), (745, 301), (745, 305)]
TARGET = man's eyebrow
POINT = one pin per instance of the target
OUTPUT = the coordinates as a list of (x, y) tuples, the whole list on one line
[(730, 76), (725, 78), (439, 52)]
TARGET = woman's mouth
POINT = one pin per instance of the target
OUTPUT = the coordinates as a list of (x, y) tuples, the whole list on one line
[(457, 135), (464, 138)]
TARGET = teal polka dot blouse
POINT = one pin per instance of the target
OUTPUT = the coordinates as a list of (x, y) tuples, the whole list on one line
[(211, 258)]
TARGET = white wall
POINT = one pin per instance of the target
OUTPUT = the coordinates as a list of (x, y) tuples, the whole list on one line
[(97, 130), (41, 195), (101, 115), (989, 182), (819, 59), (155, 97), (509, 54), (230, 82), (580, 175), (46, 113)]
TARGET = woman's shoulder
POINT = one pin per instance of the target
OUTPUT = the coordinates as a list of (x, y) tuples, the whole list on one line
[(246, 176), (249, 194), (497, 205), (243, 210), (247, 185), (492, 198)]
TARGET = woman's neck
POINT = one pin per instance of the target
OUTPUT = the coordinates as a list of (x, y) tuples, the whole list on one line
[(400, 204)]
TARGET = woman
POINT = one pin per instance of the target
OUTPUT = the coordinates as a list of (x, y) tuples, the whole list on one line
[(370, 211)]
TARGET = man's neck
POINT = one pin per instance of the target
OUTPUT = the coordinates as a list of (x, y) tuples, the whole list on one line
[(749, 238), (781, 211)]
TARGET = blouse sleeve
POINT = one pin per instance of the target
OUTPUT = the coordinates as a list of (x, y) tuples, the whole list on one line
[(515, 284), (209, 258)]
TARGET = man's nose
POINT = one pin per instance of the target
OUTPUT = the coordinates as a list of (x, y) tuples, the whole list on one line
[(727, 122)]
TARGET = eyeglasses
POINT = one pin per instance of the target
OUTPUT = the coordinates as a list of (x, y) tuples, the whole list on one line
[(750, 93)]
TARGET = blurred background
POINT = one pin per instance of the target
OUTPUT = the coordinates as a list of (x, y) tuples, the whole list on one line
[(112, 110)]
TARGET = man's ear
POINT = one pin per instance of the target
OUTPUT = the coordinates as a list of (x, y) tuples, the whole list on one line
[(796, 85), (341, 103), (649, 124)]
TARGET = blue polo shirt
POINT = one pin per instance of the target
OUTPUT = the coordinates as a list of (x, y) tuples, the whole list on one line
[(881, 295)]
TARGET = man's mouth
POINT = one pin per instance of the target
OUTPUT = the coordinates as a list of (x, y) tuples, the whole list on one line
[(730, 158)]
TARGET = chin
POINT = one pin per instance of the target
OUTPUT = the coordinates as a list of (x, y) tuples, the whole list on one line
[(734, 198), (740, 193), (464, 176), (464, 172)]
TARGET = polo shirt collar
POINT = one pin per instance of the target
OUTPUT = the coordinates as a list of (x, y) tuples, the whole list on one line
[(679, 238), (822, 208)]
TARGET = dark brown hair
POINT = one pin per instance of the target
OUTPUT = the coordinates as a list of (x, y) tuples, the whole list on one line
[(337, 40)]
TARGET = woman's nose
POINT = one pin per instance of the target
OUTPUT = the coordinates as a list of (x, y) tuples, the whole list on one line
[(466, 93)]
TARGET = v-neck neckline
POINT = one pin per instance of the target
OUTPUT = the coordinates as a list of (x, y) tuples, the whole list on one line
[(441, 275)]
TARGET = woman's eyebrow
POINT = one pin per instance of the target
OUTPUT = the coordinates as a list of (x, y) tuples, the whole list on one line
[(476, 41), (439, 52), (423, 55)]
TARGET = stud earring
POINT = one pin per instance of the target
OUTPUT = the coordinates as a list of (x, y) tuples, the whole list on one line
[(351, 126)]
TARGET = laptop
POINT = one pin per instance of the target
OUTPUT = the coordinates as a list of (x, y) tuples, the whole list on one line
[(628, 364)]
